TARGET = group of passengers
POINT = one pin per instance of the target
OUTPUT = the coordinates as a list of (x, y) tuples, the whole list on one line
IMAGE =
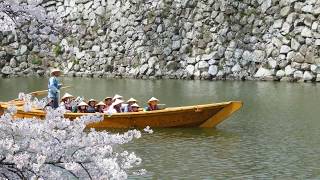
[(109, 105)]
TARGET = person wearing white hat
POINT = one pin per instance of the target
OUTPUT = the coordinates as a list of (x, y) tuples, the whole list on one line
[(100, 107), (128, 108), (117, 96), (66, 101), (83, 107), (53, 88), (116, 107), (134, 107), (153, 104), (92, 106)]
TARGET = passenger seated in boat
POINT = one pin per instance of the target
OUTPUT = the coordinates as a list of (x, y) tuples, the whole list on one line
[(100, 107), (66, 101), (128, 107), (153, 104), (134, 107), (75, 102), (116, 107), (92, 106), (107, 102), (83, 107)]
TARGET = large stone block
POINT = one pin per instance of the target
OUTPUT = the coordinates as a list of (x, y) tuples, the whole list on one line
[(262, 72)]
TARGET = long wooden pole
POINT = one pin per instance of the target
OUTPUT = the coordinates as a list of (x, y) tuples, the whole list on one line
[(43, 92)]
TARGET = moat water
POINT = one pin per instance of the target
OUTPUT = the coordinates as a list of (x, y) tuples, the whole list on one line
[(274, 136)]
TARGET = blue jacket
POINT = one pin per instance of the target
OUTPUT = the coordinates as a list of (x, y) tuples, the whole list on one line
[(53, 87)]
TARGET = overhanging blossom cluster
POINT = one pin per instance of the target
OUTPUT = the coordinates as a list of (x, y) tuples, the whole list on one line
[(57, 147)]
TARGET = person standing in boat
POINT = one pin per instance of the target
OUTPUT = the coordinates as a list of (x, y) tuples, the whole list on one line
[(53, 88), (153, 104)]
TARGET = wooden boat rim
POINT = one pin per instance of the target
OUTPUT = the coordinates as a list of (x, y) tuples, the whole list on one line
[(140, 113)]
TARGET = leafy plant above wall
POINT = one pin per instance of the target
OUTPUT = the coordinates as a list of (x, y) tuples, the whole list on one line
[(75, 61), (57, 50), (36, 60)]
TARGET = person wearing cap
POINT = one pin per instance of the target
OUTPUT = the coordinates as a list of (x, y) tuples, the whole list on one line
[(134, 107), (152, 104), (92, 106), (66, 101), (83, 107), (116, 107), (128, 108), (108, 102), (53, 88), (100, 107)]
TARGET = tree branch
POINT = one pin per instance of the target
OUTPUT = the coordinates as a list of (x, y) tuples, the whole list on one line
[(85, 170), (61, 167)]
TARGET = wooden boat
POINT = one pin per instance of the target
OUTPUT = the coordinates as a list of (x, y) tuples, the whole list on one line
[(205, 116)]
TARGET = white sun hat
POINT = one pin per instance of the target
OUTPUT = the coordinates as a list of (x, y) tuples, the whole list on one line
[(101, 104), (118, 101), (67, 95), (55, 70), (117, 96), (132, 100), (153, 99), (135, 105), (83, 104), (92, 100), (108, 97)]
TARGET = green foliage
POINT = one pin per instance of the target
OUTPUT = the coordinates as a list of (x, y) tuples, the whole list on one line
[(188, 50), (72, 41), (165, 10), (151, 16), (57, 50), (36, 60), (75, 61)]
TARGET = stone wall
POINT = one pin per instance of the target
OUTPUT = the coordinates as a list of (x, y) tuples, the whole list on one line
[(186, 39)]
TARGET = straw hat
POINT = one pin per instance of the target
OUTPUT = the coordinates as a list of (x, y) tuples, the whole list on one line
[(67, 95), (83, 104), (132, 100), (117, 96), (153, 99), (118, 101), (135, 105), (108, 97), (101, 104), (92, 100), (55, 70)]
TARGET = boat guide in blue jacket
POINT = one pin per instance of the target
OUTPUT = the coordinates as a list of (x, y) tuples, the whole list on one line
[(53, 88)]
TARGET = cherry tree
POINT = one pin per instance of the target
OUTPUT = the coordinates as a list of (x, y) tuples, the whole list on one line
[(31, 24), (59, 148)]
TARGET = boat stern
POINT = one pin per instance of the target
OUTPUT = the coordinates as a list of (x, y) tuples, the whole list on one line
[(1, 110)]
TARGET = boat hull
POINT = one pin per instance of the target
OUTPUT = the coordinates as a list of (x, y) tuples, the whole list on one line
[(205, 116)]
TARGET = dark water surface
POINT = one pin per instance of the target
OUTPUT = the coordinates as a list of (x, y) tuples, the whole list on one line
[(276, 135)]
